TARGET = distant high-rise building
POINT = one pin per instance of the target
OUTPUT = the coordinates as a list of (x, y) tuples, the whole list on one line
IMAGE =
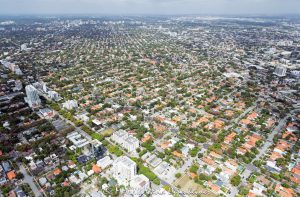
[(280, 71), (53, 95), (70, 104), (97, 149), (32, 97), (18, 71), (11, 66), (296, 73), (24, 47), (41, 86), (45, 89), (124, 170), (18, 85), (285, 43)]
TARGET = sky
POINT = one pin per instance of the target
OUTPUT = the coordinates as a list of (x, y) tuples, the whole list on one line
[(159, 7)]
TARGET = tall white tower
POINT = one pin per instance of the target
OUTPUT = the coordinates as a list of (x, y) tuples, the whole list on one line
[(32, 97), (124, 169), (280, 71)]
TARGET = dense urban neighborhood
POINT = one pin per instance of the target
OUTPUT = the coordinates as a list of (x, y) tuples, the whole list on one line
[(149, 106)]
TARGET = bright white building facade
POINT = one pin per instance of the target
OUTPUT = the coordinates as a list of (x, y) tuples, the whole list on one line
[(139, 185), (70, 104), (280, 71), (127, 141), (53, 95), (124, 170), (32, 97)]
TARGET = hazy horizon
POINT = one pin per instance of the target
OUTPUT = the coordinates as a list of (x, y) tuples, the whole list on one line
[(150, 7)]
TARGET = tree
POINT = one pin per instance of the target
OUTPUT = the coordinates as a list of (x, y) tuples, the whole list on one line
[(87, 130), (203, 177), (19, 176), (178, 175), (194, 151), (148, 145), (280, 162), (115, 150), (55, 106), (251, 179), (97, 136), (156, 181), (235, 180), (215, 146), (78, 123), (258, 143), (146, 171), (218, 170), (257, 163), (5, 189), (285, 185), (200, 155), (244, 191), (66, 194), (142, 152), (194, 168)]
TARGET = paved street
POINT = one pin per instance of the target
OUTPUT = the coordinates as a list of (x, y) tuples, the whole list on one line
[(29, 179), (250, 168), (186, 165), (262, 150), (269, 140), (234, 191), (234, 121), (78, 129)]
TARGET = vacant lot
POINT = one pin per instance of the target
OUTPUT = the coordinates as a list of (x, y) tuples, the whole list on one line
[(107, 132), (191, 188)]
